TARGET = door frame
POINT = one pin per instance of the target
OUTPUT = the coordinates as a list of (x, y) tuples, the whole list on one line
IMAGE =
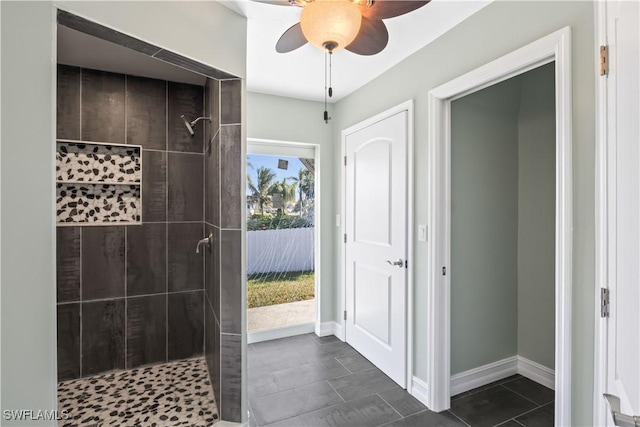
[(271, 147), (554, 47), (342, 328)]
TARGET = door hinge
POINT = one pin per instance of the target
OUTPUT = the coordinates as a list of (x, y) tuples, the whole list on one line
[(345, 160), (444, 271), (345, 315), (604, 60), (345, 237), (604, 302), (406, 264)]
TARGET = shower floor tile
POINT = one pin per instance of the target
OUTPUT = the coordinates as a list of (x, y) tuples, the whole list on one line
[(171, 394)]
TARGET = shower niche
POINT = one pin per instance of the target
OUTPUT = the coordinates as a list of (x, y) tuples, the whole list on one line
[(98, 183)]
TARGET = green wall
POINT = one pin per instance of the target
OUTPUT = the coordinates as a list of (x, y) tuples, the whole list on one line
[(496, 30), (536, 217), (503, 222), (484, 226), (205, 31), (287, 119)]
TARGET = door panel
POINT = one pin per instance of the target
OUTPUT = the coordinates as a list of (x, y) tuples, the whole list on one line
[(376, 227), (623, 22)]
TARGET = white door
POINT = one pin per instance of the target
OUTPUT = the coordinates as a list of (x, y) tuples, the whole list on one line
[(376, 243), (623, 117)]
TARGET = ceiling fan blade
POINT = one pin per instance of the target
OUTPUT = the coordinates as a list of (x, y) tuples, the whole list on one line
[(274, 2), (371, 39), (383, 9), (291, 39)]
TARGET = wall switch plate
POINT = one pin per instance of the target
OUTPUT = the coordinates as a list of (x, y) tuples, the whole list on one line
[(338, 220), (422, 233)]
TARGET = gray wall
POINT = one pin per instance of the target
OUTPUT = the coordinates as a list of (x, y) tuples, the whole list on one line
[(503, 221), (494, 31), (484, 226), (287, 119), (536, 217), (28, 293)]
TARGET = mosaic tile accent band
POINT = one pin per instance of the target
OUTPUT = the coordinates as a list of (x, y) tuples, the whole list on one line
[(88, 162), (97, 203), (170, 394)]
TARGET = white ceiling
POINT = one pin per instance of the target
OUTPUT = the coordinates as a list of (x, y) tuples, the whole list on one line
[(300, 74), (297, 74)]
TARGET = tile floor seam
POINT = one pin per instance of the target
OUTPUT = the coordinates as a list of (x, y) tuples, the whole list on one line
[(392, 407), (525, 413), (461, 420), (524, 397), (337, 392), (345, 367)]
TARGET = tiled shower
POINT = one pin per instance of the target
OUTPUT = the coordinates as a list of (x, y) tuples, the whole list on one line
[(133, 296)]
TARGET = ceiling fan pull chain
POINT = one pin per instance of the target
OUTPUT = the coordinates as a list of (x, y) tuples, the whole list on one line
[(326, 112), (330, 83)]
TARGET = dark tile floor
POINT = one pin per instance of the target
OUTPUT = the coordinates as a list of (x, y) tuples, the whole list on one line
[(308, 381)]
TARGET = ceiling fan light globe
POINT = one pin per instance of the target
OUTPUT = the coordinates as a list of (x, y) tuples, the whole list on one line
[(335, 22)]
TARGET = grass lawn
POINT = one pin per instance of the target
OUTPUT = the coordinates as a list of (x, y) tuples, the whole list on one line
[(279, 288)]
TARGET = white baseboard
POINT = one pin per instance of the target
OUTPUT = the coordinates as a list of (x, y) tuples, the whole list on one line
[(274, 334), (324, 329), (419, 390), (504, 368), (536, 372), (483, 375)]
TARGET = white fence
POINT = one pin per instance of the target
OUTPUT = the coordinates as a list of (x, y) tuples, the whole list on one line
[(289, 249)]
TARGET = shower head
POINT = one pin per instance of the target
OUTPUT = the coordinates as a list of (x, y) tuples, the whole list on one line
[(188, 125)]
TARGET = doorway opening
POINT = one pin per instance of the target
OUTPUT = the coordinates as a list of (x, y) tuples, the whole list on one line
[(500, 215), (282, 240)]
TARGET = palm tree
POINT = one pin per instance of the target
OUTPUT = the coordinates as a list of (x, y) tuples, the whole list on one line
[(304, 180), (262, 190), (288, 191)]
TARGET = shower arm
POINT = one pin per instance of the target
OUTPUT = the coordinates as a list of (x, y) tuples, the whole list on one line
[(193, 123)]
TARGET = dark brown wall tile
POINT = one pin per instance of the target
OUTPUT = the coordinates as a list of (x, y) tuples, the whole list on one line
[(231, 378), (230, 281), (230, 102), (212, 182), (68, 102), (185, 265), (154, 186), (230, 177), (185, 180), (102, 262), (187, 100), (102, 336), (212, 350), (212, 270), (146, 330), (68, 341), (147, 112), (68, 263), (102, 106), (186, 324), (146, 259)]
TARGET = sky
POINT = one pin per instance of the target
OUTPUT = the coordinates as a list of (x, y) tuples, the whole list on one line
[(271, 162)]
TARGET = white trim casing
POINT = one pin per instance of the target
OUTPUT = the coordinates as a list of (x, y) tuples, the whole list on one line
[(554, 47), (325, 329), (419, 390), (537, 372), (601, 222), (276, 333), (408, 107)]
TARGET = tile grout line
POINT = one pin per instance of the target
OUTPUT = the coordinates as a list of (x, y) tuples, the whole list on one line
[(524, 397), (166, 219), (345, 367), (336, 391), (390, 405), (461, 420)]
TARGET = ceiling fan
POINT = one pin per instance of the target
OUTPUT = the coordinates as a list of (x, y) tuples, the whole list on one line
[(330, 25)]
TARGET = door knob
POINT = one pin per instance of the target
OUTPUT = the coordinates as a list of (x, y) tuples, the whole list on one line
[(398, 263), (620, 419)]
